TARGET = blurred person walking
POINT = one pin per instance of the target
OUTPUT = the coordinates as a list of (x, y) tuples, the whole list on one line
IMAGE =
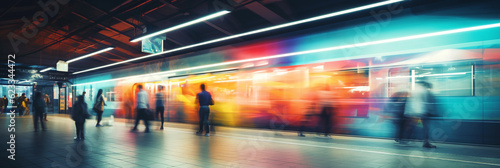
[(46, 99), (5, 103), (21, 104), (99, 107), (142, 107), (39, 109), (396, 107), (160, 105), (306, 118), (79, 115), (15, 104), (325, 117), (204, 99), (421, 104), (27, 106)]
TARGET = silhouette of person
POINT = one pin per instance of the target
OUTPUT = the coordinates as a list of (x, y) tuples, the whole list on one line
[(99, 107), (46, 99), (141, 106), (160, 104), (39, 109), (396, 107), (204, 99), (79, 115), (421, 105)]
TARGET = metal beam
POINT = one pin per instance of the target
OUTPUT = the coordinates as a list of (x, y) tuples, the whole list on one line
[(218, 28), (101, 25), (262, 11)]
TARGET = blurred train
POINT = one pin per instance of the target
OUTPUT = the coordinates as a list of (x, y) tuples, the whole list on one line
[(279, 90)]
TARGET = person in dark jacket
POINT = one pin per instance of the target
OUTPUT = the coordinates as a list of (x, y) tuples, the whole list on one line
[(5, 103), (39, 109), (396, 107), (79, 115), (204, 99)]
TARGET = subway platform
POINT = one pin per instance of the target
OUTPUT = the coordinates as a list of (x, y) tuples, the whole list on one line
[(178, 146)]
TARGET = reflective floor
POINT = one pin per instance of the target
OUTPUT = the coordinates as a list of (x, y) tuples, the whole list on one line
[(178, 146)]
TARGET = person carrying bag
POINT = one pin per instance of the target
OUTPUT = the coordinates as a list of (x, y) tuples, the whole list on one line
[(99, 107)]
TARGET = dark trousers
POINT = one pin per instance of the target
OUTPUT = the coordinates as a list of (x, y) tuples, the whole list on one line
[(99, 117), (160, 110), (203, 114), (21, 111), (325, 119), (80, 129), (426, 128), (142, 115), (38, 117), (401, 122)]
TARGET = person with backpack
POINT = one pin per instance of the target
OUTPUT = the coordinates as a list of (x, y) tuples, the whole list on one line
[(99, 107), (204, 99), (39, 109), (79, 115)]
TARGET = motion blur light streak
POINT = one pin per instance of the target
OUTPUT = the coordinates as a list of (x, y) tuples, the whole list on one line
[(46, 69), (130, 77), (328, 49), (89, 55), (251, 32), (444, 74), (183, 25)]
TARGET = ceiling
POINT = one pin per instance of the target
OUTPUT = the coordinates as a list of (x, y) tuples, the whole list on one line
[(84, 26)]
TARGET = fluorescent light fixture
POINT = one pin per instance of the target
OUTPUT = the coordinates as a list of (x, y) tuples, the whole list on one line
[(156, 74), (89, 55), (251, 32), (335, 48), (25, 81), (182, 25), (47, 69)]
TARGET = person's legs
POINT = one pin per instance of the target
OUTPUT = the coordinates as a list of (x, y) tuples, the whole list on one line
[(145, 118), (82, 129), (162, 110), (426, 128), (328, 119), (77, 125), (99, 118), (205, 120), (159, 111), (35, 121), (200, 117), (45, 114), (40, 117), (137, 118)]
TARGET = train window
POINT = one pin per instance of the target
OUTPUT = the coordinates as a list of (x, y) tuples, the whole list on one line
[(446, 80)]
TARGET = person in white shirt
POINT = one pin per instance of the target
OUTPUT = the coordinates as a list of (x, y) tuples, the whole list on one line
[(141, 106)]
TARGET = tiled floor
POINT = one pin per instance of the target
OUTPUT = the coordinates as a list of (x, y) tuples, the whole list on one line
[(177, 146)]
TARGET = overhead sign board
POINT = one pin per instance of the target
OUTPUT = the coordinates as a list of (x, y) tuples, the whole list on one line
[(62, 66), (153, 45)]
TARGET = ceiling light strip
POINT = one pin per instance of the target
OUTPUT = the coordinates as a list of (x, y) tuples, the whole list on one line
[(89, 55), (332, 48), (221, 13), (46, 69), (250, 33)]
